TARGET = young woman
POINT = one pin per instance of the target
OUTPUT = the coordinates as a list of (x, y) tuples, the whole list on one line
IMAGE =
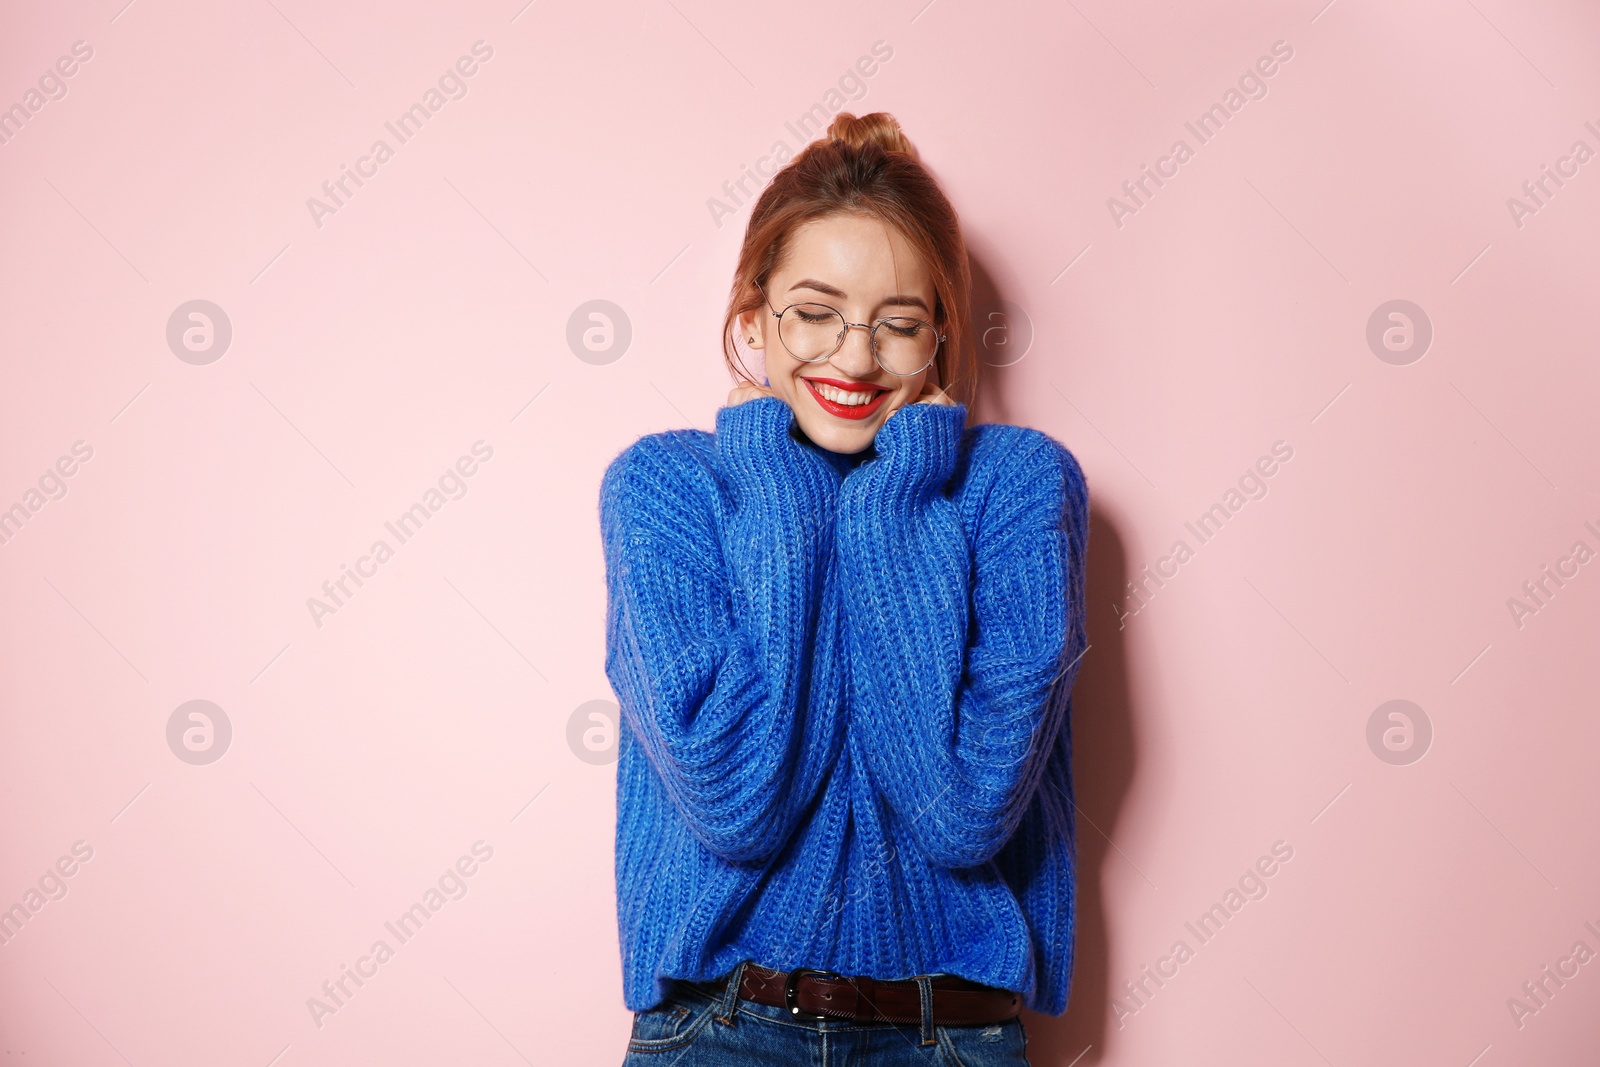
[(843, 630)]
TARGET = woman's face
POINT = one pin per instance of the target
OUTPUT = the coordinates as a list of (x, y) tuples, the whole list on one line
[(865, 269)]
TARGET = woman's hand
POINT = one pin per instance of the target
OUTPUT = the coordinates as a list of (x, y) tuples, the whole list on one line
[(933, 393), (747, 391)]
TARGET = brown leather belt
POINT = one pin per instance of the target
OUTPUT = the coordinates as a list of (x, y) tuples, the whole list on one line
[(812, 994)]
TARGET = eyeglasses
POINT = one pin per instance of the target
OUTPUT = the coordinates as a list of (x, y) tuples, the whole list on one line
[(813, 332)]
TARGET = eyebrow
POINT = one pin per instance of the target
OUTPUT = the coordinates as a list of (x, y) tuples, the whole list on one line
[(899, 299)]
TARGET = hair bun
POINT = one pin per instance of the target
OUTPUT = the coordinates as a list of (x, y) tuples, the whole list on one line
[(878, 128)]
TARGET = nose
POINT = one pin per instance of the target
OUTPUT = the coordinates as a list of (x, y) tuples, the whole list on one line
[(854, 357)]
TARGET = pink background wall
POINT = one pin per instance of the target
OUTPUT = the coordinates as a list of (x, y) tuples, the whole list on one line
[(446, 702)]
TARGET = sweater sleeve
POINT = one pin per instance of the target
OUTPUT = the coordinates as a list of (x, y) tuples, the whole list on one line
[(722, 595), (964, 646)]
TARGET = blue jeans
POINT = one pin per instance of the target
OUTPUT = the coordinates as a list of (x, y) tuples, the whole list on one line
[(699, 1025)]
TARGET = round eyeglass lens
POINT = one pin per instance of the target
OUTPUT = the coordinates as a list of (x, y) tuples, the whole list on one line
[(810, 331), (905, 345)]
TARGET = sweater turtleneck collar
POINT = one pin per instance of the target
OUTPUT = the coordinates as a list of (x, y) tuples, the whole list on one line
[(843, 462)]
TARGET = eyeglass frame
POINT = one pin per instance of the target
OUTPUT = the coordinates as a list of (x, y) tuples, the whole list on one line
[(872, 334)]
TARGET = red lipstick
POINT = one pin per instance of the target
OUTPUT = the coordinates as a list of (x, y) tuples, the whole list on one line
[(847, 411)]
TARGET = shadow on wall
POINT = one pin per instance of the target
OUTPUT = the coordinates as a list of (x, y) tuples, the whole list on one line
[(1103, 755)]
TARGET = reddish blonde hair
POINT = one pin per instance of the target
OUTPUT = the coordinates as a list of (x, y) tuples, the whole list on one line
[(864, 165)]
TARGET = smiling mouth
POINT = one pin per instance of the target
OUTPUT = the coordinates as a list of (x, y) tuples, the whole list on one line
[(847, 400)]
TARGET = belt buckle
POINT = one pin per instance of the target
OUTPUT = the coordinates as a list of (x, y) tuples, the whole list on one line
[(789, 990)]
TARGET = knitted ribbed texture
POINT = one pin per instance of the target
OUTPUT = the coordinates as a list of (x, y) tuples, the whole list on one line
[(846, 696)]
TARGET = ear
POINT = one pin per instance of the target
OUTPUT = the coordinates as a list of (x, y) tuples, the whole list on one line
[(749, 332)]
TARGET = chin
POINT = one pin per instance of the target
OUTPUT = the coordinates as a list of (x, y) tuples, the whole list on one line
[(846, 440)]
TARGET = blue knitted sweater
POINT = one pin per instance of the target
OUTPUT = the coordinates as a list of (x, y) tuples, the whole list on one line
[(845, 685)]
